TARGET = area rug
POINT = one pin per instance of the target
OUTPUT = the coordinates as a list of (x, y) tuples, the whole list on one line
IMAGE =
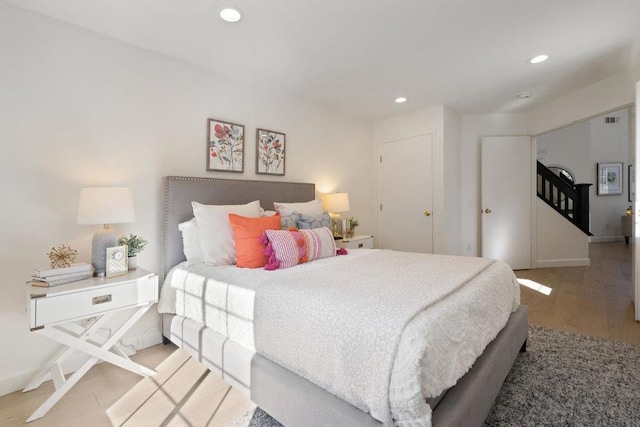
[(564, 379)]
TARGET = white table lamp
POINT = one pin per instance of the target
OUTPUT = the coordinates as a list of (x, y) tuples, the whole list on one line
[(334, 203), (105, 205)]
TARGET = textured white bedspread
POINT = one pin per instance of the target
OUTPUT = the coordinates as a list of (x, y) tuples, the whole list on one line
[(219, 297), (375, 346)]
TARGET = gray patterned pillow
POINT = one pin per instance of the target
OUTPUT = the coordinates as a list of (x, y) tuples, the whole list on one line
[(289, 221), (309, 222)]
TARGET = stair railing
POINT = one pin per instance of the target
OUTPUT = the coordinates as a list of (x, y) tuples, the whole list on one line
[(571, 201)]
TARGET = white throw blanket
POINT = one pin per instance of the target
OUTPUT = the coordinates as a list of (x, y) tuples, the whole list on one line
[(441, 344), (341, 328)]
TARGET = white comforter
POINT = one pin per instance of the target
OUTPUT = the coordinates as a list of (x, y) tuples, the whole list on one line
[(376, 347)]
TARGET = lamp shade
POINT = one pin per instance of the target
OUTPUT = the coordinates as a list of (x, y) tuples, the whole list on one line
[(106, 205), (336, 202)]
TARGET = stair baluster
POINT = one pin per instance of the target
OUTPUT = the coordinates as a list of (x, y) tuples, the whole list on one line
[(570, 201)]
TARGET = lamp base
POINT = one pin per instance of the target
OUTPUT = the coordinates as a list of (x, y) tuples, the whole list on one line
[(103, 239), (336, 224)]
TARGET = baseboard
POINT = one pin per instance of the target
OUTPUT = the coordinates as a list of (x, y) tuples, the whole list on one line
[(550, 263), (600, 239), (18, 380), (145, 340)]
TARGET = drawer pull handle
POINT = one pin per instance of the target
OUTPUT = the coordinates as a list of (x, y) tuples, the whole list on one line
[(101, 299), (360, 245)]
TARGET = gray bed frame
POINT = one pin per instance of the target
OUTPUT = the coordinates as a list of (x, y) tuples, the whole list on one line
[(289, 398)]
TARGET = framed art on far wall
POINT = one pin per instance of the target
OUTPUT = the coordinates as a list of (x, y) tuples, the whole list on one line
[(270, 152), (225, 146), (609, 179), (631, 184)]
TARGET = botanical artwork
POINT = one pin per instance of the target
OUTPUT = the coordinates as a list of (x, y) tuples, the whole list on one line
[(270, 152), (225, 146), (62, 256), (609, 179)]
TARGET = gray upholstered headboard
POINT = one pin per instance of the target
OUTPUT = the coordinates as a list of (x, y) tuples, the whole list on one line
[(180, 191)]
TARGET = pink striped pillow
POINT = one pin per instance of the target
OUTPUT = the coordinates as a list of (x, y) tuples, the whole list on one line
[(287, 248)]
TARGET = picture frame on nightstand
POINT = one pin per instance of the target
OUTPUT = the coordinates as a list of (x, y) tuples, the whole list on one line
[(117, 261)]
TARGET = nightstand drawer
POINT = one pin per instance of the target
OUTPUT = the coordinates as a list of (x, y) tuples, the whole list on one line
[(357, 242), (89, 302)]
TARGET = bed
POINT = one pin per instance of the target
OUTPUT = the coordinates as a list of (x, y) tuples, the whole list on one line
[(285, 393)]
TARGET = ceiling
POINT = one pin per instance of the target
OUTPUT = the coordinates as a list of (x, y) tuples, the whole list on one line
[(359, 55)]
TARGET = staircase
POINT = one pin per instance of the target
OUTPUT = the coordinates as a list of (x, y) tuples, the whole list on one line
[(570, 201)]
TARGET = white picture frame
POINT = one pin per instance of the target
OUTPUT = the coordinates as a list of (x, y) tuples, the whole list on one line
[(117, 261), (609, 179)]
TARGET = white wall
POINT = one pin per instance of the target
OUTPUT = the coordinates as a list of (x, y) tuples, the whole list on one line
[(568, 147), (452, 180), (609, 144), (579, 148), (606, 95), (79, 109), (421, 123), (558, 242)]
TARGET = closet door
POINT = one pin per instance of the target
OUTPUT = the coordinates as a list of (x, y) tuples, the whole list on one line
[(406, 194)]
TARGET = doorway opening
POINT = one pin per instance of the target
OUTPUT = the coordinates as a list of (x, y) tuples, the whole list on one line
[(598, 299), (579, 149)]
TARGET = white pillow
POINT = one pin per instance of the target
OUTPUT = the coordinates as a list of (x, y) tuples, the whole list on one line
[(191, 241), (314, 207), (214, 229)]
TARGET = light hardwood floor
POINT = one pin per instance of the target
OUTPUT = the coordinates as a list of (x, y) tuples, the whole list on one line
[(183, 393), (594, 300)]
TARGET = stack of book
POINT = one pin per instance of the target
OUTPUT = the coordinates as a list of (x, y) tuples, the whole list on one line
[(60, 276)]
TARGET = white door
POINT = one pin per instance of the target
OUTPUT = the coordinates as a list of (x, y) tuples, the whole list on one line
[(506, 170), (636, 209), (406, 193)]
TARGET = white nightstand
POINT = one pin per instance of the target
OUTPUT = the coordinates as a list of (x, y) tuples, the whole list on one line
[(54, 312), (356, 242)]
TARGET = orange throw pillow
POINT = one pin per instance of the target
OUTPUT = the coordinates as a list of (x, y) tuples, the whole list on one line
[(246, 233)]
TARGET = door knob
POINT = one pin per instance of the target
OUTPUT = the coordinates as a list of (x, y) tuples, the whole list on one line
[(487, 210), (427, 213)]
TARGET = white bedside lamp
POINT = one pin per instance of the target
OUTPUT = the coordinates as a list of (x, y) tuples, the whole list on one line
[(334, 203), (105, 205)]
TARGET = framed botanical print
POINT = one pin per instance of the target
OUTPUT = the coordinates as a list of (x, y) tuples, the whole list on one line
[(609, 179), (225, 146), (270, 152)]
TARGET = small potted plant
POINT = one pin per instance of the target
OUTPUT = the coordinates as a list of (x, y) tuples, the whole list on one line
[(135, 244)]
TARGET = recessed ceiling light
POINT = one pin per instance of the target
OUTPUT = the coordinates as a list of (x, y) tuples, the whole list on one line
[(230, 14), (524, 95), (401, 100), (538, 59)]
